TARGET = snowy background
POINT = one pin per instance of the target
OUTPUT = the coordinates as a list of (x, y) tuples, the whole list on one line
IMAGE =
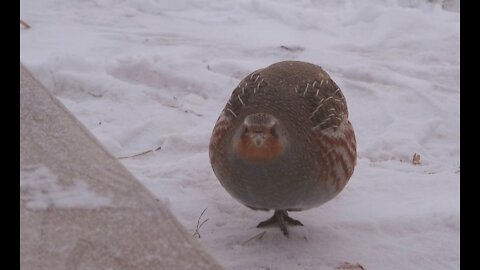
[(151, 74)]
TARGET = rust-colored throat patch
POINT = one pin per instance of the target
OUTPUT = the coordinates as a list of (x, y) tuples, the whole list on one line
[(259, 143)]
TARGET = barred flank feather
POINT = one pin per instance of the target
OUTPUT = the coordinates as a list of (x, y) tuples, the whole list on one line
[(337, 154)]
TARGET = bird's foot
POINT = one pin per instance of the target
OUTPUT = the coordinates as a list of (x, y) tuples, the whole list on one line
[(281, 218)]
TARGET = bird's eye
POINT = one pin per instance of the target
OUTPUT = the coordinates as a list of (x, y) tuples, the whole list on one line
[(273, 131)]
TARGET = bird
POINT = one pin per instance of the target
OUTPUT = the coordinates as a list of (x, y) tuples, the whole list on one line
[(284, 142)]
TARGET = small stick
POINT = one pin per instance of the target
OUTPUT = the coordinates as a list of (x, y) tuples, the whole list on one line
[(199, 225), (255, 237), (143, 153), (26, 25)]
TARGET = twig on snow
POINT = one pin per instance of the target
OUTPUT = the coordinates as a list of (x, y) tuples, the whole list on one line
[(199, 225), (26, 25), (143, 153), (255, 237)]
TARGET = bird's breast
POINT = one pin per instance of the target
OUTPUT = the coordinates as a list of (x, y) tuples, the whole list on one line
[(270, 150), (289, 181)]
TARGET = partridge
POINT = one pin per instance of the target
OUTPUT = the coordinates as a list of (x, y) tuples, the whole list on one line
[(283, 141)]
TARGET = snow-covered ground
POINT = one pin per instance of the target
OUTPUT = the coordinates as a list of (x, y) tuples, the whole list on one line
[(144, 74)]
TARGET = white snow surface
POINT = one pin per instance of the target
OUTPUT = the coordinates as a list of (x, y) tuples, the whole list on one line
[(143, 74)]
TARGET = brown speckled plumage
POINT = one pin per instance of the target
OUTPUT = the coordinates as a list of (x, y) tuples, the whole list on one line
[(283, 141)]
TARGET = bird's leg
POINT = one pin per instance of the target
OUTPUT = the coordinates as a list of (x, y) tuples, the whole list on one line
[(281, 218)]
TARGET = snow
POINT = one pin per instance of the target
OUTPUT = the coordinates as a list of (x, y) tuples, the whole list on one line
[(149, 73), (43, 189)]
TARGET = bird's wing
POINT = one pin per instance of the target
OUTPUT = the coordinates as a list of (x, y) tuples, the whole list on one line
[(327, 105)]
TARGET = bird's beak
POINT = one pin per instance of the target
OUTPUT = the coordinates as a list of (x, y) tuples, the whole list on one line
[(258, 138)]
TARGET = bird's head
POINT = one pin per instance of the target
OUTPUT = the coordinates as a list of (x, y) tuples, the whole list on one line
[(260, 138)]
